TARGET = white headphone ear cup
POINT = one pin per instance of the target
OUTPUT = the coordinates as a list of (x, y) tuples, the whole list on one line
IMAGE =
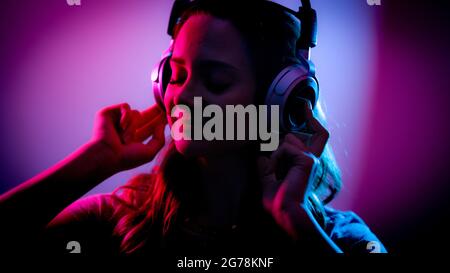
[(161, 74), (156, 86), (160, 77)]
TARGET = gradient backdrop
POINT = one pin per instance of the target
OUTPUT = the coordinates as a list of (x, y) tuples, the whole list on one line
[(384, 87)]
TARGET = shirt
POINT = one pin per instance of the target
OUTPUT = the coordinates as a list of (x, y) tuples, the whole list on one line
[(89, 224)]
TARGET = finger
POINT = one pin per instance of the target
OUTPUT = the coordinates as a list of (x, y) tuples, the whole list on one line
[(267, 176), (113, 111), (160, 117), (297, 140), (148, 129), (299, 178), (321, 135), (138, 131), (129, 133), (159, 135), (125, 119), (107, 120), (282, 159), (140, 153), (296, 170), (149, 113), (287, 150), (156, 143)]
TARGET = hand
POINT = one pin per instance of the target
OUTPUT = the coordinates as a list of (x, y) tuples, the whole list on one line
[(288, 174), (121, 131)]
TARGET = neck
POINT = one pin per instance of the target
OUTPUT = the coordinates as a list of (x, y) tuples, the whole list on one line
[(224, 180)]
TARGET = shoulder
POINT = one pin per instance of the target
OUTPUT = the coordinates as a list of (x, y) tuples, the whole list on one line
[(351, 233), (89, 222), (91, 208)]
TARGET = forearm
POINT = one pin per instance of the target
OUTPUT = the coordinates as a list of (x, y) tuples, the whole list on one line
[(309, 234), (35, 202)]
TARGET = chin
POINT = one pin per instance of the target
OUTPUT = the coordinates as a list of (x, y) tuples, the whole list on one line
[(195, 148), (191, 148)]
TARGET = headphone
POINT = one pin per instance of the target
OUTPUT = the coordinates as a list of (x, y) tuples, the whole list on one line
[(292, 89)]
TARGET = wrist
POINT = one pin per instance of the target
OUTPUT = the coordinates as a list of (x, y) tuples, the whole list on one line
[(101, 157), (302, 222)]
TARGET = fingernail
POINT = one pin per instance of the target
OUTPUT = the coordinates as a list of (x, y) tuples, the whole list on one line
[(124, 125), (125, 137)]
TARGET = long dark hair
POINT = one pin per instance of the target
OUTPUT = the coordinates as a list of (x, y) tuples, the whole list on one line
[(155, 201)]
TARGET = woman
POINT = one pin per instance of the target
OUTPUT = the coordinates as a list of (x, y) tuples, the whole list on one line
[(202, 194)]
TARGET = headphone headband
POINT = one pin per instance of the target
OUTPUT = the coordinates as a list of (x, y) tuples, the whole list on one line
[(178, 7), (306, 15)]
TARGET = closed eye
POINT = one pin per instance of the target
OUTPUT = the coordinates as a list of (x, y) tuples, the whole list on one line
[(178, 74), (217, 76)]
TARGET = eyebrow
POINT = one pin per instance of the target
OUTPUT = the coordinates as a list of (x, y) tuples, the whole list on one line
[(206, 63)]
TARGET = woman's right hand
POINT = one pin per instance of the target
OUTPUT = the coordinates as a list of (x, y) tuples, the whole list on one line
[(120, 132)]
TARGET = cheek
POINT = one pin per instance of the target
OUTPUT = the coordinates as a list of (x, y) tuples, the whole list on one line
[(168, 101), (245, 90), (250, 95), (168, 104), (243, 94)]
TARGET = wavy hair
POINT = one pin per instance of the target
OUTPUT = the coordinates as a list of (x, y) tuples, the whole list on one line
[(152, 202)]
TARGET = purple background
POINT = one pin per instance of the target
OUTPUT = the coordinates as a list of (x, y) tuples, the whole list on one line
[(383, 81)]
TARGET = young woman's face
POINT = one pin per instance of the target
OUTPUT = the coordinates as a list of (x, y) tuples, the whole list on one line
[(209, 60)]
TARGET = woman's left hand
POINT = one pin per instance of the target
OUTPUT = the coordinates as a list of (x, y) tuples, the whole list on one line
[(284, 197)]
